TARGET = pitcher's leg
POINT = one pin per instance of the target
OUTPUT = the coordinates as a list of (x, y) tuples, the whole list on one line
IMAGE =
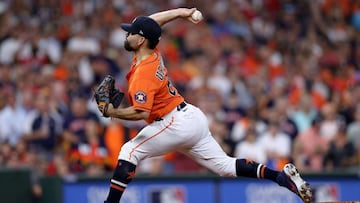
[(209, 153), (122, 176), (153, 140)]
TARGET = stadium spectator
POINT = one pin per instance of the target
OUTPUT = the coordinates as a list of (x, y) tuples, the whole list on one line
[(330, 124), (239, 129), (90, 156), (43, 126), (281, 112), (220, 132), (353, 129), (341, 152), (277, 145), (75, 122), (249, 147), (12, 118), (309, 155), (304, 113)]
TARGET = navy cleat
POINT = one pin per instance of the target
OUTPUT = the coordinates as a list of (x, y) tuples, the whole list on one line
[(290, 178)]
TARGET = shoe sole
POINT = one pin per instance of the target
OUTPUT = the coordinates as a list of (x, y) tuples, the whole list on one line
[(302, 186)]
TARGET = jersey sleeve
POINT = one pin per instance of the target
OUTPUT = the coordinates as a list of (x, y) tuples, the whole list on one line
[(141, 93)]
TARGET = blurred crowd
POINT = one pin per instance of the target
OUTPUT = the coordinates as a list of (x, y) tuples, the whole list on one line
[(279, 81)]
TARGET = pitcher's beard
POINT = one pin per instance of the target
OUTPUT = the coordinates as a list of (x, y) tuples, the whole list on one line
[(128, 47)]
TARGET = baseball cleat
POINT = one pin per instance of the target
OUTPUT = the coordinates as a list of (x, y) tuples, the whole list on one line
[(290, 178)]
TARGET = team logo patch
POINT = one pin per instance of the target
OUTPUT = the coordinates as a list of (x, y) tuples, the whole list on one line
[(140, 97)]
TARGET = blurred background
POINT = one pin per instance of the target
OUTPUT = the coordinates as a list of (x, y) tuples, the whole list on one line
[(279, 81)]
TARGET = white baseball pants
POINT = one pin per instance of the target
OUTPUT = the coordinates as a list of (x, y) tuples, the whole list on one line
[(186, 131)]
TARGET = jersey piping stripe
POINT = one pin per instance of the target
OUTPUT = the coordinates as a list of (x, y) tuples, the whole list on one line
[(156, 134)]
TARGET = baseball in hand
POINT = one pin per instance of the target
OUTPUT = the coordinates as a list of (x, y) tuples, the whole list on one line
[(196, 16)]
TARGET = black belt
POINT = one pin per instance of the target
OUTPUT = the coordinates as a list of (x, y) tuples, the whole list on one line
[(181, 106), (178, 108)]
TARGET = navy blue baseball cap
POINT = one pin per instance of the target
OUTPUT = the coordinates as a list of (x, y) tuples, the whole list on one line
[(144, 26)]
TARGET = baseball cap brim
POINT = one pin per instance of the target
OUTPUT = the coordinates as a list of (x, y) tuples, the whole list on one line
[(128, 28)]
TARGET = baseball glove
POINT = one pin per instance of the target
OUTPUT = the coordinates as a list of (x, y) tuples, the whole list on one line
[(106, 93)]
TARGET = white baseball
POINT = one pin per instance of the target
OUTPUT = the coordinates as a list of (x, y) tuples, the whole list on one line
[(196, 15)]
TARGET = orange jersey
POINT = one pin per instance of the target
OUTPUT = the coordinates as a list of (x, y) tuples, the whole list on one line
[(150, 89)]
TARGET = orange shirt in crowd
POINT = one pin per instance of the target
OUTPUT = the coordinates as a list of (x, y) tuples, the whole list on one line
[(317, 98), (345, 6), (114, 138)]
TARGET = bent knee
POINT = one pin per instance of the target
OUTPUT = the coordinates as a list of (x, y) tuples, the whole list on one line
[(224, 173), (129, 153), (226, 168)]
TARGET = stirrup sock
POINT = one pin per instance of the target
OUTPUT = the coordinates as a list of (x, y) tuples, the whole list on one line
[(252, 169), (123, 175)]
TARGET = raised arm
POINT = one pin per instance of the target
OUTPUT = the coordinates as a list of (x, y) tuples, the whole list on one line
[(164, 17)]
